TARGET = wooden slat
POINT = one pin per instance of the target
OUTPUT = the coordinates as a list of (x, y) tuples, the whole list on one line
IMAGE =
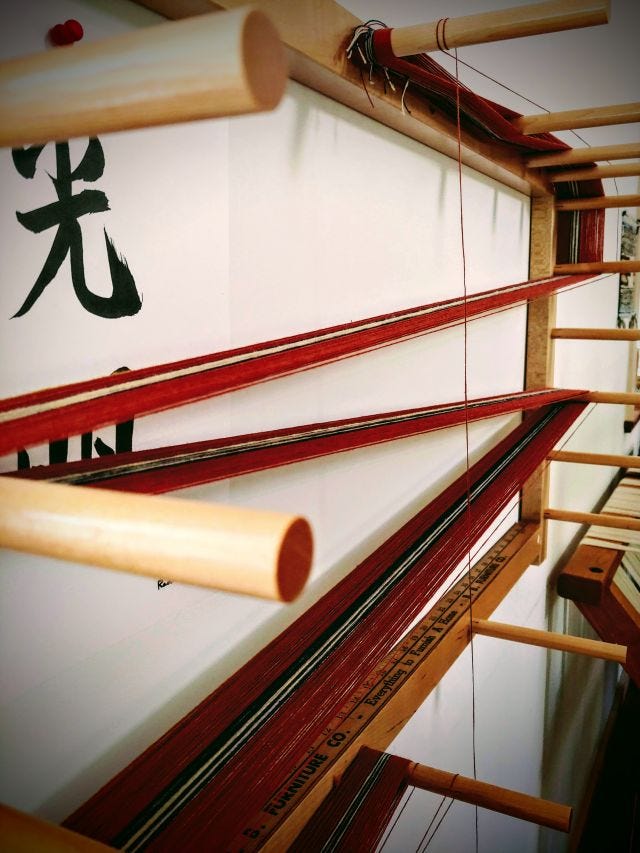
[(584, 155), (177, 71), (598, 202), (539, 367), (581, 334), (614, 459), (585, 117), (316, 33), (503, 800), (597, 267), (532, 19), (550, 640), (619, 522), (24, 833), (596, 173)]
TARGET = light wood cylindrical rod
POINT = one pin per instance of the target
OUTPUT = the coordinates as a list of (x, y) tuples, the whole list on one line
[(597, 267), (613, 459), (596, 334), (511, 23), (598, 203), (550, 640), (584, 155), (620, 522), (261, 553), (492, 797), (622, 398), (585, 117), (212, 65), (595, 173), (23, 833)]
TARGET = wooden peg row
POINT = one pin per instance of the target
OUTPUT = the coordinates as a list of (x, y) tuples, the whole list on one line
[(620, 522), (598, 202), (550, 640), (503, 800), (529, 20), (613, 459), (208, 66), (582, 334), (585, 117), (597, 267), (593, 154), (596, 173), (266, 554)]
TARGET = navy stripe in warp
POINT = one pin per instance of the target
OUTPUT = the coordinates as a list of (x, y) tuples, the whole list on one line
[(197, 775)]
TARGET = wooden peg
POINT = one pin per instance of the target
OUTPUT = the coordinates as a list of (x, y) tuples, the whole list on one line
[(596, 173), (584, 155), (579, 334), (23, 833), (211, 65), (597, 267), (598, 202), (585, 117), (613, 459), (504, 800), (620, 522), (267, 554), (528, 20), (550, 640), (622, 398)]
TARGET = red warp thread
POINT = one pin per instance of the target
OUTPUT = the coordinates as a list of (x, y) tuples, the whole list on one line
[(184, 791), (355, 815), (55, 413), (180, 466)]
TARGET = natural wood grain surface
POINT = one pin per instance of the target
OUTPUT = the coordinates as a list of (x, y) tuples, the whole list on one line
[(620, 460), (584, 155), (596, 267), (598, 202), (267, 554), (504, 800), (585, 117), (583, 334), (620, 522), (23, 833), (532, 19), (596, 173), (550, 640), (217, 65)]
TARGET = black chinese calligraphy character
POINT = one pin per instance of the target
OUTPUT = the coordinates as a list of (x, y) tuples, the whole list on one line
[(65, 213)]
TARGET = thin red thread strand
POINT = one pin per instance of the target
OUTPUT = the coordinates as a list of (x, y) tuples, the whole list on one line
[(75, 418), (114, 474), (121, 799), (466, 436)]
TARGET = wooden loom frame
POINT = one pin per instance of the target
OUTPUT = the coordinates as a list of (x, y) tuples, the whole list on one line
[(311, 31)]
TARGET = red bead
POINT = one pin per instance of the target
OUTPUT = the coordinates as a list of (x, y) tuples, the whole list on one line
[(74, 29), (58, 35)]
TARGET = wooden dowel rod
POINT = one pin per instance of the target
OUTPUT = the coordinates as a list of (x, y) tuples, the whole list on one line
[(208, 66), (584, 155), (594, 173), (550, 640), (23, 833), (599, 202), (492, 797), (620, 522), (614, 459), (596, 334), (596, 267), (622, 398), (585, 117), (511, 23), (267, 554)]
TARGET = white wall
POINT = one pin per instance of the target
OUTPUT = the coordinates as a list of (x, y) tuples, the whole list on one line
[(241, 231)]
